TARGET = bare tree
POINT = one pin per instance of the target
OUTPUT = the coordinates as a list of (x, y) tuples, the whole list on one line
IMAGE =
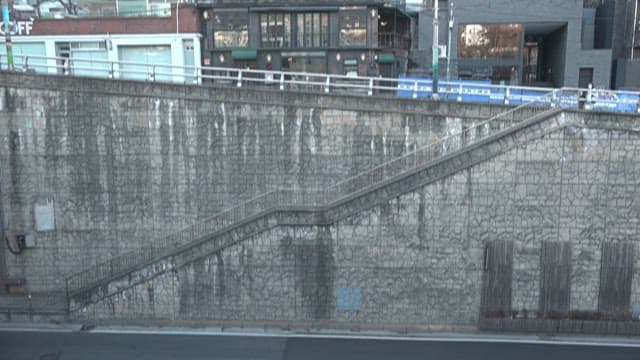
[(37, 8), (69, 6)]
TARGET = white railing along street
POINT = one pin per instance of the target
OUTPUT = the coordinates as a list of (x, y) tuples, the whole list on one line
[(587, 99)]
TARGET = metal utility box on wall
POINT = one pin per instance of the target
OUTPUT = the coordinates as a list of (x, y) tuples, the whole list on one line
[(25, 241), (44, 216)]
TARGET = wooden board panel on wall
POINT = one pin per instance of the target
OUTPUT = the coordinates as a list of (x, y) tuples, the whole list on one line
[(555, 277), (497, 277), (616, 274)]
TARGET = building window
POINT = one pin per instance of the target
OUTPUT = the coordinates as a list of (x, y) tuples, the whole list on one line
[(231, 29), (88, 45), (134, 59), (495, 41), (504, 74), (351, 67), (353, 29), (275, 30), (313, 30)]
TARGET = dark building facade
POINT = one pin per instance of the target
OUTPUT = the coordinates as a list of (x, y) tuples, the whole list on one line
[(365, 38), (618, 23), (537, 43)]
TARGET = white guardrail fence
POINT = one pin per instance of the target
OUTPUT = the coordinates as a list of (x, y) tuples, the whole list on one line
[(457, 90)]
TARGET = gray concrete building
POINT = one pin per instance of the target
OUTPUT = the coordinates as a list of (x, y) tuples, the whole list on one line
[(619, 22), (539, 43), (356, 37)]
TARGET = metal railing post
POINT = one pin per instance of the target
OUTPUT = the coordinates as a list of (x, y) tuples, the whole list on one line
[(25, 64), (326, 84), (415, 90), (588, 105), (459, 98), (554, 97), (506, 95), (239, 84), (281, 80), (152, 77), (68, 298), (370, 92)]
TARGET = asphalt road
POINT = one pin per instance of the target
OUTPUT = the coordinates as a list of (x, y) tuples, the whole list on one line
[(86, 345)]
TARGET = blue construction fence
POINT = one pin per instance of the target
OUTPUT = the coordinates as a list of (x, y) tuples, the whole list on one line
[(485, 92)]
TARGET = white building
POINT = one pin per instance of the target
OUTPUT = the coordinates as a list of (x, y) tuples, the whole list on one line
[(47, 46)]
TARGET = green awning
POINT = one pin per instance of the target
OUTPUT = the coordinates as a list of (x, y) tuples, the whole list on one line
[(244, 54), (386, 58)]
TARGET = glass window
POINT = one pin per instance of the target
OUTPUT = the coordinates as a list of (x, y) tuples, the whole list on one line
[(88, 45), (324, 37), (353, 29), (88, 62), (37, 52), (504, 75), (300, 34), (231, 29), (495, 41), (308, 64), (316, 29), (307, 30), (351, 67), (275, 30), (313, 30), (134, 59)]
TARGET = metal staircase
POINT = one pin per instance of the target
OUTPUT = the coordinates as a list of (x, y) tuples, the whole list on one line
[(314, 206)]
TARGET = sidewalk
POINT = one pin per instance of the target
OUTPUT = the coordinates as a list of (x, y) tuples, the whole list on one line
[(461, 337), (36, 303)]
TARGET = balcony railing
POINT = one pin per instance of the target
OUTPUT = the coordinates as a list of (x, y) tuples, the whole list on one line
[(394, 40)]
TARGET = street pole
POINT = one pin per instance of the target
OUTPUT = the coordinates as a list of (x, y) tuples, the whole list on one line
[(435, 55), (449, 46), (635, 30), (3, 237), (7, 33)]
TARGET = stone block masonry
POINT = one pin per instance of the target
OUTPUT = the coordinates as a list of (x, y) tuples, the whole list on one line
[(120, 163), (419, 258)]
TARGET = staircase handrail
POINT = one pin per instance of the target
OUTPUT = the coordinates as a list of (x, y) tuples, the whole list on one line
[(418, 158), (261, 203)]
